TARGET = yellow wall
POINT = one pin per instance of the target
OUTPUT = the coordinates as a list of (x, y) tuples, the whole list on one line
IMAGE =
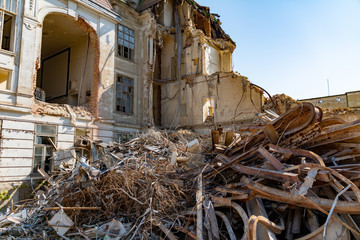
[(4, 78), (353, 99), (349, 99)]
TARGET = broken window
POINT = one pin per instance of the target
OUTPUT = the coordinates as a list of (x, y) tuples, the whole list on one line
[(208, 109), (124, 94), (45, 137), (7, 17), (123, 137), (83, 132), (4, 79), (126, 42), (81, 140)]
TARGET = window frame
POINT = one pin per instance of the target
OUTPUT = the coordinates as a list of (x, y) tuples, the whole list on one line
[(132, 57), (208, 109), (44, 148), (3, 12), (8, 85), (132, 95), (78, 133), (123, 137)]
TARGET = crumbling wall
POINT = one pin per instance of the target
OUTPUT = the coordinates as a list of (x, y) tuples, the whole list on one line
[(212, 60), (235, 100), (280, 103), (166, 9), (140, 69), (347, 114), (207, 78), (148, 63), (168, 58), (101, 97)]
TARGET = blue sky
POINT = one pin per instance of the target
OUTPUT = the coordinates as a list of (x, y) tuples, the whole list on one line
[(294, 46)]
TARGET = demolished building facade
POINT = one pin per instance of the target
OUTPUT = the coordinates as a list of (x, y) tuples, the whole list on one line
[(107, 70), (80, 74)]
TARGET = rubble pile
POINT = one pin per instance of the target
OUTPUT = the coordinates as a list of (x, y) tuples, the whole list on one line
[(279, 103), (136, 182), (347, 114), (296, 178)]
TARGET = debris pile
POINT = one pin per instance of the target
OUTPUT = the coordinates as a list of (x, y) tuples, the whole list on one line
[(347, 114), (297, 177), (133, 186), (65, 110), (280, 103)]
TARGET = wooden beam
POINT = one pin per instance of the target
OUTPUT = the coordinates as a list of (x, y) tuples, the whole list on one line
[(268, 156)]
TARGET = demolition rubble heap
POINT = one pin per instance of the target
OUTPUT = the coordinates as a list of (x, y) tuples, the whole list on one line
[(296, 178), (280, 103)]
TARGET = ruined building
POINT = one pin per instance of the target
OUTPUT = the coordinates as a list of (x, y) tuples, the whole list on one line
[(108, 69)]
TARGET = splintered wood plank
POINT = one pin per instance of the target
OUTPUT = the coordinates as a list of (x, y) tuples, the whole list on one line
[(266, 173), (297, 220), (199, 213), (211, 223), (221, 201), (286, 197), (71, 208), (309, 181), (312, 220), (297, 152), (229, 137), (231, 191), (276, 163), (271, 133), (215, 135), (335, 134)]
